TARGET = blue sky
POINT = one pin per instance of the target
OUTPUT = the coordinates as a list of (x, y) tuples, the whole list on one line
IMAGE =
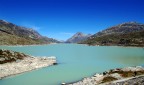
[(60, 19)]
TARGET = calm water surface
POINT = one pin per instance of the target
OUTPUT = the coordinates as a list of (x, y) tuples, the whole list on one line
[(75, 62)]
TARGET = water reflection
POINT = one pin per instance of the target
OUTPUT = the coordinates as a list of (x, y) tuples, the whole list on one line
[(132, 60)]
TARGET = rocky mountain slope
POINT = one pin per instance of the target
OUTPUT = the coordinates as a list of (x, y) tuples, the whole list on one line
[(126, 34), (78, 37), (122, 29), (12, 34)]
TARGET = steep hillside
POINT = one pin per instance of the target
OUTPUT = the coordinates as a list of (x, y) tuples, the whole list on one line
[(121, 29), (78, 37), (12, 34), (127, 34)]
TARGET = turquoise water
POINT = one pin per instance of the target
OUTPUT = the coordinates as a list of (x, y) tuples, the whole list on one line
[(75, 62)]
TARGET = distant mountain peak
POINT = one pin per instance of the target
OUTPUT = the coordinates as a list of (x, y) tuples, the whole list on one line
[(79, 36), (79, 33)]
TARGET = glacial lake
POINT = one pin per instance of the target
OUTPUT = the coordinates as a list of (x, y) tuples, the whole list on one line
[(75, 62)]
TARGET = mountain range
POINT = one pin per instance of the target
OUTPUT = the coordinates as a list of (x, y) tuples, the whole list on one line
[(78, 37), (11, 34), (126, 34)]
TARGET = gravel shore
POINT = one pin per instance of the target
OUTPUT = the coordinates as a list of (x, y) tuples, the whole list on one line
[(138, 80), (119, 76), (24, 65)]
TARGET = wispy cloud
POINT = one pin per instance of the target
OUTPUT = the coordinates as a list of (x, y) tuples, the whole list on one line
[(28, 25), (66, 33), (34, 27)]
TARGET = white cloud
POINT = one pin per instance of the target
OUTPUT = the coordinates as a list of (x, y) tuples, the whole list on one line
[(34, 27), (28, 25), (66, 33)]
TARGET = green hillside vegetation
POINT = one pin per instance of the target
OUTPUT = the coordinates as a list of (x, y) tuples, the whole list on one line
[(129, 39), (11, 34), (126, 34), (8, 39)]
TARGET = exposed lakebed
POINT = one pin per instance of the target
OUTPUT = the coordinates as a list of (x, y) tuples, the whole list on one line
[(75, 62)]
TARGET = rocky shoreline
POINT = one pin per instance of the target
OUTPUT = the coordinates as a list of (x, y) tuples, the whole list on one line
[(29, 45), (138, 80), (12, 65), (119, 76)]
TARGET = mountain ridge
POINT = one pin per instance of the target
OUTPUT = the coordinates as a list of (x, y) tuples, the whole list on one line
[(27, 36), (122, 28), (125, 34)]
